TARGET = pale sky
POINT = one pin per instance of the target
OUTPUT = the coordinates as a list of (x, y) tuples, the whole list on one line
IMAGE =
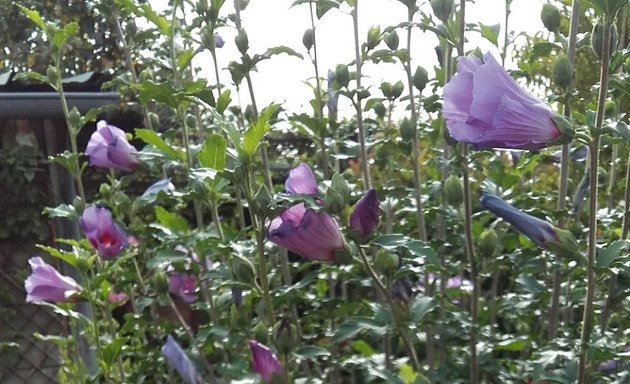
[(273, 22)]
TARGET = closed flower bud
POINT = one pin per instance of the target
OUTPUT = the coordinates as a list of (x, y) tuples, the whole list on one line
[(190, 121), (550, 16), (339, 184), (242, 42), (342, 75), (53, 75), (397, 89), (420, 78), (308, 39), (488, 241), (562, 72), (453, 191), (207, 38), (262, 199), (74, 118), (373, 37), (365, 218), (392, 40), (154, 119), (407, 130), (442, 9), (285, 336), (261, 332), (386, 88), (386, 263), (334, 202), (597, 39), (379, 109), (242, 269)]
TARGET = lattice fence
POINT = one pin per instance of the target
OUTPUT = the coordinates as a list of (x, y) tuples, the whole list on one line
[(26, 359)]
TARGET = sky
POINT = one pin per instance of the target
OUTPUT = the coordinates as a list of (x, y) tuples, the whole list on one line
[(282, 79)]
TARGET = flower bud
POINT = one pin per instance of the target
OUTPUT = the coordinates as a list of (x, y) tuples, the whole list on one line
[(308, 38), (488, 241), (339, 184), (242, 42), (453, 191), (53, 75), (397, 89), (262, 199), (218, 40), (373, 37), (154, 119), (285, 336), (342, 75), (379, 109), (420, 78), (190, 121), (550, 16), (597, 39), (386, 263), (207, 38), (74, 118), (392, 40), (243, 269), (386, 88), (334, 202), (365, 218), (442, 9), (407, 130), (562, 72), (260, 331)]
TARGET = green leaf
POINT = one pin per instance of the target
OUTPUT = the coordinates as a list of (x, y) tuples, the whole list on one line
[(67, 257), (530, 284), (353, 326), (62, 210), (160, 92), (490, 32), (224, 101), (166, 257), (407, 374), (34, 16), (513, 345), (421, 306), (212, 154), (113, 349), (171, 220), (160, 22), (62, 35), (363, 348), (310, 352), (607, 256), (183, 58), (153, 138), (255, 134), (621, 129)]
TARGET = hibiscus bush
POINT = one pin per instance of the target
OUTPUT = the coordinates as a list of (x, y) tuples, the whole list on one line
[(467, 223)]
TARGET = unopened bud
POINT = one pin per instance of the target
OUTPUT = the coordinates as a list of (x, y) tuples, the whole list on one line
[(261, 333), (74, 118), (308, 39), (380, 109), (442, 9), (191, 121), (373, 37), (407, 130), (386, 263), (154, 119), (285, 336), (397, 89), (342, 75), (420, 78), (334, 202), (339, 184), (242, 269), (597, 39), (550, 16), (562, 72), (488, 243), (453, 191), (392, 40), (53, 75), (241, 41)]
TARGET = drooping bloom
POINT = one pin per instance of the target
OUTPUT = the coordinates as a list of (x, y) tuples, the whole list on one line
[(108, 148), (183, 285), (218, 41), (264, 361), (539, 231), (314, 235), (176, 356), (485, 107), (301, 180), (365, 218), (107, 237), (47, 284)]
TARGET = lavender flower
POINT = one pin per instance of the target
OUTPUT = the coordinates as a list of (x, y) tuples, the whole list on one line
[(176, 356), (218, 41), (314, 235), (539, 231), (183, 285), (485, 107), (163, 185), (47, 284), (365, 218), (108, 148), (302, 181), (264, 361), (103, 233)]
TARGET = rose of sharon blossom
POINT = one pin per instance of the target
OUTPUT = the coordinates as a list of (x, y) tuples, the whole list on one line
[(183, 285), (46, 284), (108, 148), (365, 218), (177, 358), (314, 235), (104, 234), (485, 107), (539, 231), (264, 361), (301, 181)]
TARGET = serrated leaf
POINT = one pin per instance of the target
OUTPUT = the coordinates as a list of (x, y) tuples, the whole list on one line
[(184, 57), (166, 257), (490, 32), (607, 256), (171, 220), (63, 210), (160, 92), (255, 134), (212, 154), (61, 36), (113, 349), (34, 16), (223, 101), (160, 22), (154, 139), (69, 258)]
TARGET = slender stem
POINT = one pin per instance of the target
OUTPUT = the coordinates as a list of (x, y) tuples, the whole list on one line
[(564, 177), (365, 169), (214, 212), (95, 330), (592, 233), (505, 32), (318, 98), (402, 329)]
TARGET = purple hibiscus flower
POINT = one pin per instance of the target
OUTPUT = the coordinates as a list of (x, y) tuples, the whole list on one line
[(108, 148), (107, 237), (47, 284)]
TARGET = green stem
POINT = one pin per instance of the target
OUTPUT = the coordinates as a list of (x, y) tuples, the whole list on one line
[(365, 169), (320, 105), (587, 318), (95, 330)]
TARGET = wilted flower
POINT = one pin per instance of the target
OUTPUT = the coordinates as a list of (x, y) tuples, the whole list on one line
[(301, 180), (485, 107), (264, 361), (539, 231), (218, 41), (108, 148), (314, 235), (47, 284), (103, 233), (365, 218), (176, 356), (183, 285)]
